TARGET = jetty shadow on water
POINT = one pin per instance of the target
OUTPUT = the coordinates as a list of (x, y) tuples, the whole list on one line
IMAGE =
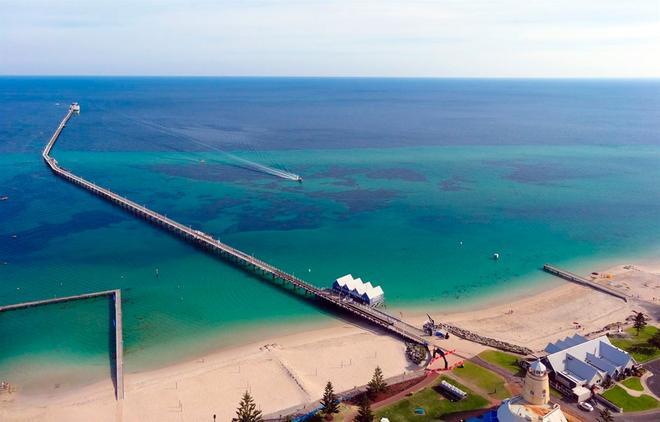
[(112, 342)]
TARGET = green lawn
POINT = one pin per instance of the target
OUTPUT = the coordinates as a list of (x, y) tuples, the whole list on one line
[(636, 345), (633, 383), (503, 360), (434, 404), (628, 403), (483, 378)]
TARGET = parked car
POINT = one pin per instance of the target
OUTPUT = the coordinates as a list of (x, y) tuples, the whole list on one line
[(585, 406)]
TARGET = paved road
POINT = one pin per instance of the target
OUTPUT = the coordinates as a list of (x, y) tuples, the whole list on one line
[(652, 416), (653, 382), (570, 407)]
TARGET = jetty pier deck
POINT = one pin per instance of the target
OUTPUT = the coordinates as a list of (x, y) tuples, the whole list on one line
[(211, 244), (567, 275), (115, 295)]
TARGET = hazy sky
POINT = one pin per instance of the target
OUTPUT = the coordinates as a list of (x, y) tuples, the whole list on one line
[(576, 38)]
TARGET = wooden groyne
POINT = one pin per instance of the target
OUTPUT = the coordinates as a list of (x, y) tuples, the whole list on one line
[(115, 295), (567, 275), (213, 245), (119, 346), (53, 301)]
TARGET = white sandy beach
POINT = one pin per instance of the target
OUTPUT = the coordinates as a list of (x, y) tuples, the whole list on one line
[(290, 370), (553, 314)]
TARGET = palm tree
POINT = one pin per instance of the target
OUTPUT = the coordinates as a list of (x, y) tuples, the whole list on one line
[(329, 402), (364, 411), (247, 410)]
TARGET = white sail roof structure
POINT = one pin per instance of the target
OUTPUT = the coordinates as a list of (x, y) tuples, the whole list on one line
[(374, 293), (344, 281), (358, 289)]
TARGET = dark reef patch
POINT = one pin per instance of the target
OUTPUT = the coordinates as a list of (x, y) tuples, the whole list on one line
[(173, 195), (38, 237), (446, 224), (397, 173), (39, 189), (361, 200), (347, 182), (337, 172), (25, 188), (215, 207), (453, 184), (544, 172), (279, 215)]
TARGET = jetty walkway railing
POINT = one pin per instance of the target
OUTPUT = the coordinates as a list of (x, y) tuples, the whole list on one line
[(567, 275), (206, 241), (119, 334)]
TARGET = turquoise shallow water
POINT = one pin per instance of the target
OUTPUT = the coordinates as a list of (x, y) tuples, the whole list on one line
[(422, 219)]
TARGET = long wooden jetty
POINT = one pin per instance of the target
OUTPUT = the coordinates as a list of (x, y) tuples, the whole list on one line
[(567, 275), (115, 295), (207, 242)]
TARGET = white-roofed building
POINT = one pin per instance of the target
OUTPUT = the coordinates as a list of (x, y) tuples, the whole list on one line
[(560, 345), (359, 290), (374, 295), (344, 284), (579, 364), (359, 287)]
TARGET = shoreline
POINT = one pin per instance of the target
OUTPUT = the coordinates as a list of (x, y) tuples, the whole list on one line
[(284, 370), (202, 345)]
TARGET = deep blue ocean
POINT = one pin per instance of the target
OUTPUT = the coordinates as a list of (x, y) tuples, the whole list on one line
[(411, 184)]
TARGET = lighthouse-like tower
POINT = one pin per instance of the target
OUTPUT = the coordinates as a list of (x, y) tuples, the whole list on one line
[(533, 405), (536, 389)]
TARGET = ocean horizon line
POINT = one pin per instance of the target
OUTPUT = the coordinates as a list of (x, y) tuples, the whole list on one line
[(326, 77)]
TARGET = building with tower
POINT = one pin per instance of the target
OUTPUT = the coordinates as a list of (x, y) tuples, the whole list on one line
[(534, 402), (578, 365)]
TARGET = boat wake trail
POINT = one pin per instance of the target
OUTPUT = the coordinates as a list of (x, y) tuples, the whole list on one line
[(234, 159), (265, 169)]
